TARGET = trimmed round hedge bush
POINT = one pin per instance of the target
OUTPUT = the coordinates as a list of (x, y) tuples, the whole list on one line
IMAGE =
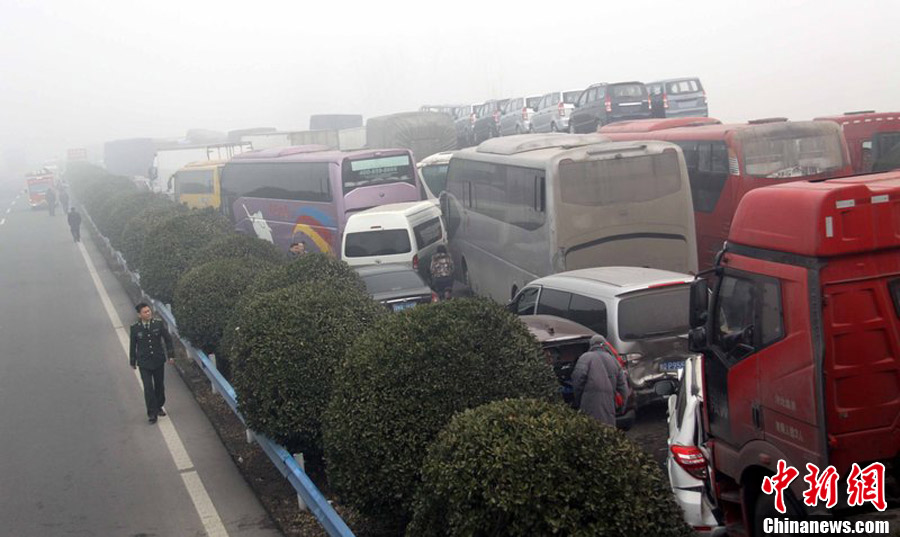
[(136, 230), (205, 298), (171, 245), (291, 342), (312, 267), (520, 467), (402, 382), (239, 246), (125, 209)]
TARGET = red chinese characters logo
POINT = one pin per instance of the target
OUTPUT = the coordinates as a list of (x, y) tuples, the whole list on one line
[(863, 485), (867, 485), (780, 481)]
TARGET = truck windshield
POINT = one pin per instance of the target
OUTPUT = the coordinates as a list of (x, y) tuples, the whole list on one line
[(655, 313), (791, 152)]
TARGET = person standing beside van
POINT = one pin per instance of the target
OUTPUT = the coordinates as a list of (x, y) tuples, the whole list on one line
[(596, 379), (442, 272)]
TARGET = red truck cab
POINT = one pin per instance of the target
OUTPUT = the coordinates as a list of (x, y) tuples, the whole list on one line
[(873, 139), (801, 342)]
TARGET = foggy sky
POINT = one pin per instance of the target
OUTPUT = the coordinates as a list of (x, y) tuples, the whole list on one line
[(75, 74)]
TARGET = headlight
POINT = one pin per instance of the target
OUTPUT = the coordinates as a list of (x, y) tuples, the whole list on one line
[(632, 358)]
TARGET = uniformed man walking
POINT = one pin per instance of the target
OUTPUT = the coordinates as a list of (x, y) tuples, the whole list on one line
[(149, 337)]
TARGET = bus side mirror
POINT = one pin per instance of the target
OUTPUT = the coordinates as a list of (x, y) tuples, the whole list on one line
[(699, 303)]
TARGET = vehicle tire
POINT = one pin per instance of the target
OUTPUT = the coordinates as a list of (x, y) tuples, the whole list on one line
[(531, 129), (764, 508), (571, 128), (553, 128)]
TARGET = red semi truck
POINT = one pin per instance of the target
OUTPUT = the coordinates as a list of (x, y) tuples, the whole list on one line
[(800, 343)]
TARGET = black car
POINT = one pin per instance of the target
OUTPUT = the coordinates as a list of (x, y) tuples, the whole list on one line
[(602, 104), (487, 120), (396, 286)]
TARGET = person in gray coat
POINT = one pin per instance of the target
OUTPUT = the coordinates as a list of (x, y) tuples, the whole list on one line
[(596, 379)]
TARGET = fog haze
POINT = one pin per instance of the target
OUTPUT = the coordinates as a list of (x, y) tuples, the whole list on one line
[(75, 74)]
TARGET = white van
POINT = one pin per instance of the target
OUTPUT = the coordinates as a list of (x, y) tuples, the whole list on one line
[(405, 233)]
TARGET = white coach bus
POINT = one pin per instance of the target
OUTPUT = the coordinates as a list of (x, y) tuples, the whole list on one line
[(522, 207)]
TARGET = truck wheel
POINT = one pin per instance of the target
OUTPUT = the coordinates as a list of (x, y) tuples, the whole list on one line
[(765, 508)]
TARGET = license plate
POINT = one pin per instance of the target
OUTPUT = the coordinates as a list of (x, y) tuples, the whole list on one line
[(403, 306), (672, 366)]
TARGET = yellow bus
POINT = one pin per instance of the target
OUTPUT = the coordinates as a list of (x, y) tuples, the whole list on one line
[(197, 184)]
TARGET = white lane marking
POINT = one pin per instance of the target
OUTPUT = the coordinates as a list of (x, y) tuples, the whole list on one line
[(212, 523)]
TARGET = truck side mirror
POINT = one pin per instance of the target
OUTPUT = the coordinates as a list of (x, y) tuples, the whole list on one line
[(699, 305)]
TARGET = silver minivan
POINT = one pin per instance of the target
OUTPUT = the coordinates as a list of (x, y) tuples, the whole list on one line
[(515, 118), (553, 111), (678, 97), (643, 312)]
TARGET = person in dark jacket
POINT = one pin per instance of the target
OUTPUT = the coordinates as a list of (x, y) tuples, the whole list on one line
[(150, 344), (75, 224), (50, 196), (596, 379)]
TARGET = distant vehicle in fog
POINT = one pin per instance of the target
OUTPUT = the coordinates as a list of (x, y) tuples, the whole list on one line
[(487, 119), (521, 207), (198, 184), (464, 123), (553, 111), (36, 185), (131, 157), (727, 161), (306, 193), (602, 104), (515, 118), (872, 138), (678, 97), (170, 160), (335, 122), (423, 133)]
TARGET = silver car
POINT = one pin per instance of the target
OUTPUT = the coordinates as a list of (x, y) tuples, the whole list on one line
[(515, 118), (553, 111), (643, 312)]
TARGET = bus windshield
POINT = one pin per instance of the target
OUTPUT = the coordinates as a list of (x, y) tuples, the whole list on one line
[(595, 183), (377, 171), (790, 152), (194, 182)]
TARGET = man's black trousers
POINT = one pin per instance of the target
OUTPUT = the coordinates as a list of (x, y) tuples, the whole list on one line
[(154, 388)]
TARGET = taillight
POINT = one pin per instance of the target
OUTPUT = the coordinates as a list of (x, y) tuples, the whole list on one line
[(704, 98), (525, 113), (472, 118), (608, 103), (649, 104), (416, 262), (434, 297), (691, 459), (497, 116), (562, 109), (665, 101)]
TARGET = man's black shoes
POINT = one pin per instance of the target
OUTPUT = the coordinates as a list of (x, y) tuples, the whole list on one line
[(161, 412), (152, 419)]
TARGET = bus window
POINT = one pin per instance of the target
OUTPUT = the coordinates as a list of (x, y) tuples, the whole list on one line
[(194, 182), (306, 181)]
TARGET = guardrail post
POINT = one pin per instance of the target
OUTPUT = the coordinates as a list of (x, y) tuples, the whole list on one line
[(299, 458)]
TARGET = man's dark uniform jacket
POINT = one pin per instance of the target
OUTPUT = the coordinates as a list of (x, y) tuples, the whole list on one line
[(147, 344)]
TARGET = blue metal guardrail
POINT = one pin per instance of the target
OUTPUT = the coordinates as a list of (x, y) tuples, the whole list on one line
[(318, 505)]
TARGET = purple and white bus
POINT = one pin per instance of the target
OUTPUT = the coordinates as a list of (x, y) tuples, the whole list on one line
[(305, 193)]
